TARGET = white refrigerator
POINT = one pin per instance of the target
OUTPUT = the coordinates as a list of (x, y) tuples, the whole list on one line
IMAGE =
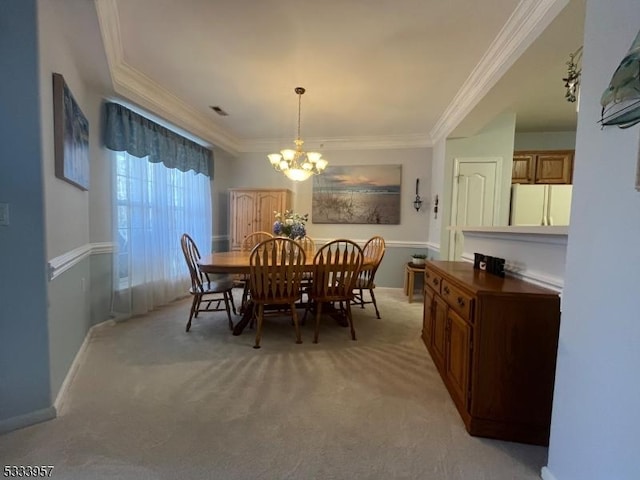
[(540, 204)]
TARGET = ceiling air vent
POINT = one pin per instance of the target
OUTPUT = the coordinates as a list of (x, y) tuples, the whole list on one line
[(219, 110)]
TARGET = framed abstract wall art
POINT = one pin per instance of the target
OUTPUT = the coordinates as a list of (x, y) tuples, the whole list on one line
[(364, 194), (71, 136)]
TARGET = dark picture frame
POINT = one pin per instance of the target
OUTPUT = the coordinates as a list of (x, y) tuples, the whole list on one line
[(71, 136)]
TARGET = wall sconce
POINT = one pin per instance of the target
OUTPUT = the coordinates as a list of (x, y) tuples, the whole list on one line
[(417, 203), (435, 207)]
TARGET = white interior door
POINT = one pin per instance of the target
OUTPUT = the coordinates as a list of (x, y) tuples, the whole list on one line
[(475, 197)]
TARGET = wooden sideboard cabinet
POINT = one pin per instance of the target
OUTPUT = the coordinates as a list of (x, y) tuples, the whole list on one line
[(552, 166), (251, 210), (494, 341)]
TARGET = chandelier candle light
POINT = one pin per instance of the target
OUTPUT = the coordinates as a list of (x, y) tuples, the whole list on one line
[(297, 164)]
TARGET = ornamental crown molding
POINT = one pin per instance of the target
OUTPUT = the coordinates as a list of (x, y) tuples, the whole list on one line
[(529, 19), (139, 88), (384, 142), (526, 23)]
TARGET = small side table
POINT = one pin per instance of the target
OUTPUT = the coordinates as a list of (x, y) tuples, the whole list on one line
[(409, 278)]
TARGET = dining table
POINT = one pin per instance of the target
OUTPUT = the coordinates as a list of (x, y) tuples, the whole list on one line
[(237, 262)]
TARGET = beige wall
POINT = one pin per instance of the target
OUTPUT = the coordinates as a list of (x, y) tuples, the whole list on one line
[(254, 170), (545, 141), (496, 140)]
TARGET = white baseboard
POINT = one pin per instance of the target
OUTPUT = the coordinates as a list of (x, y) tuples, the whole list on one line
[(21, 421), (75, 366), (546, 474)]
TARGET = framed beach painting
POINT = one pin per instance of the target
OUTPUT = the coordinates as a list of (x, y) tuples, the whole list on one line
[(364, 194), (71, 136)]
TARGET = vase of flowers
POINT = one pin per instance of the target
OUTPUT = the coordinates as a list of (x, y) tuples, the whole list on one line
[(290, 224)]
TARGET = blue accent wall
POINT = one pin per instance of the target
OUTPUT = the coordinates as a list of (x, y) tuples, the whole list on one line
[(24, 351)]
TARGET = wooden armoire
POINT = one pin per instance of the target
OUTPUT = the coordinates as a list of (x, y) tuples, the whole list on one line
[(252, 210)]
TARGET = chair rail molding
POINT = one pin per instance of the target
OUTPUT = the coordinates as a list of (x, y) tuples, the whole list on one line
[(60, 264), (534, 254), (433, 246), (388, 243)]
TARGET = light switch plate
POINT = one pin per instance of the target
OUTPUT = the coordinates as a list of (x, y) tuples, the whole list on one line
[(4, 214)]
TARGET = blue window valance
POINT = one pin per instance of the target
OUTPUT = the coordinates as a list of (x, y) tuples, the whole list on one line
[(128, 131)]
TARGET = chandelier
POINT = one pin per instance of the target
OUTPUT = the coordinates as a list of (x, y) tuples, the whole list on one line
[(574, 70), (297, 164)]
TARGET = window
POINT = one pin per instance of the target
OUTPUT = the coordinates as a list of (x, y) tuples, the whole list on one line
[(153, 206)]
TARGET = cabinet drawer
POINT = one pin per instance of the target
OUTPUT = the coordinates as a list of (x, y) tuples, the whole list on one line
[(457, 300), (432, 279)]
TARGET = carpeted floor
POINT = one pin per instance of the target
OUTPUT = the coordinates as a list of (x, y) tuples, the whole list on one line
[(153, 402)]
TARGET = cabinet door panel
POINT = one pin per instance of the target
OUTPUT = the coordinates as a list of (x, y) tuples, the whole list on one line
[(523, 168), (439, 340), (427, 320), (243, 213), (554, 168), (252, 211), (268, 202), (458, 356)]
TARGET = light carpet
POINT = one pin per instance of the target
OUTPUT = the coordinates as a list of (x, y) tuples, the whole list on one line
[(151, 401)]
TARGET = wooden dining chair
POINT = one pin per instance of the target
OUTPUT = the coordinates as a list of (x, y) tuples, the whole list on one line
[(309, 247), (373, 252), (335, 270), (242, 280), (254, 239), (276, 266), (208, 295)]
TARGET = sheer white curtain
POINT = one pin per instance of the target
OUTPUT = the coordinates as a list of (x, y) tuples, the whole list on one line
[(153, 206)]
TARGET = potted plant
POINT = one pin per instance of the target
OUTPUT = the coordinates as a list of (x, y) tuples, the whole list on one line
[(418, 258)]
